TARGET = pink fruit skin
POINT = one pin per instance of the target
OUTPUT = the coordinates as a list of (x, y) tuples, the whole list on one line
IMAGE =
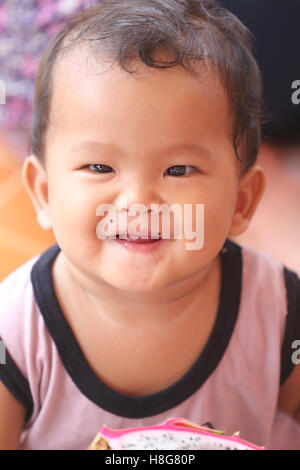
[(176, 424)]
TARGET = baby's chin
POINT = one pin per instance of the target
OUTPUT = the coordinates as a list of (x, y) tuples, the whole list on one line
[(133, 270), (134, 280), (138, 272)]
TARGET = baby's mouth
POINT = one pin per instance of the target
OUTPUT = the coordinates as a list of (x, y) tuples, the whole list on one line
[(140, 240), (137, 244)]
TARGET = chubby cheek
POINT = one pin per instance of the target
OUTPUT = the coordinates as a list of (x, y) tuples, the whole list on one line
[(74, 216), (211, 224), (217, 224), (220, 210)]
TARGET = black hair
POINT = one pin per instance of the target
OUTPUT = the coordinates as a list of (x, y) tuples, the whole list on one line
[(192, 31)]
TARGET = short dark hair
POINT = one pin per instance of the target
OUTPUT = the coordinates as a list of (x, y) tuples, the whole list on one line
[(192, 30)]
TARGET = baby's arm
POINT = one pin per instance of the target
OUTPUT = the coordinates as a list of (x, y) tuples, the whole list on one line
[(289, 395), (12, 415)]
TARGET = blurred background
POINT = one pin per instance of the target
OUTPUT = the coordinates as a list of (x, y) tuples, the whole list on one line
[(275, 26), (25, 28)]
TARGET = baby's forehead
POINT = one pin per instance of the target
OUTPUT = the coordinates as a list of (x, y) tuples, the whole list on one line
[(84, 82), (81, 62), (72, 67), (76, 60), (140, 114)]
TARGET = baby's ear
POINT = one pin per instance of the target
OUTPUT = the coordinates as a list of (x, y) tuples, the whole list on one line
[(250, 191), (34, 178)]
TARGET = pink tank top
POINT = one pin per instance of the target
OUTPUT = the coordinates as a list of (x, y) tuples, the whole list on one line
[(233, 385)]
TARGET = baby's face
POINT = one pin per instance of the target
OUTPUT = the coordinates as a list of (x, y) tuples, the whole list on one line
[(141, 129)]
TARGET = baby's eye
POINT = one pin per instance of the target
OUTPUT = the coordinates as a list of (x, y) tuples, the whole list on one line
[(179, 170), (98, 168)]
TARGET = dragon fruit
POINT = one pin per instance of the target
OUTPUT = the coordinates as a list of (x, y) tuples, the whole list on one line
[(172, 434)]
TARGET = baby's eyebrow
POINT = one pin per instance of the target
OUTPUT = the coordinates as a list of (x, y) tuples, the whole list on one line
[(166, 150), (89, 143)]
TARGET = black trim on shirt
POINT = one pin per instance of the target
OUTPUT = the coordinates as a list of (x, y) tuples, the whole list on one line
[(140, 406), (17, 384), (292, 326)]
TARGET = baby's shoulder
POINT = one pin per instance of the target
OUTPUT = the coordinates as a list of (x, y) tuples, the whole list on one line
[(271, 296), (22, 335), (16, 293), (262, 271), (260, 262), (22, 328)]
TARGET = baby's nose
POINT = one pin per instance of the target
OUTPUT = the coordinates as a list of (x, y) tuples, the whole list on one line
[(137, 201)]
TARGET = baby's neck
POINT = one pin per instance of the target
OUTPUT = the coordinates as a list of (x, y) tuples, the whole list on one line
[(129, 344)]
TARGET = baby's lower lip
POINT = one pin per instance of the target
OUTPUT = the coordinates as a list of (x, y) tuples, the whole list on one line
[(144, 245)]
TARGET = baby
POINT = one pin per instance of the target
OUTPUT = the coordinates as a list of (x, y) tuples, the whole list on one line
[(148, 104)]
